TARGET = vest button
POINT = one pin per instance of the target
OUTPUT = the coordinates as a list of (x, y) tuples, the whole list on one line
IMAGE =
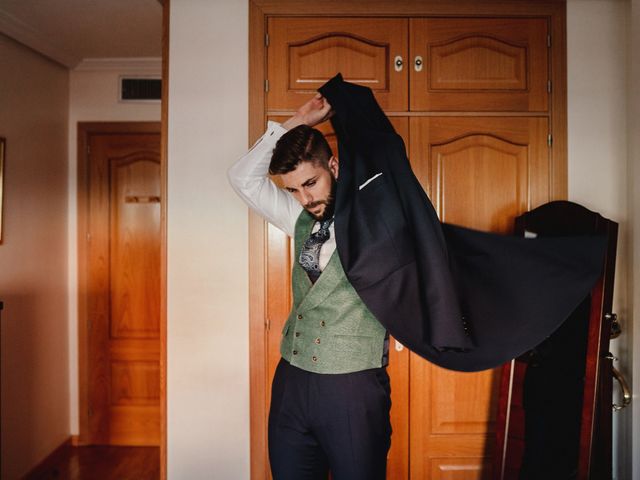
[(299, 317), (314, 358), (295, 352), (317, 340), (297, 334), (322, 323)]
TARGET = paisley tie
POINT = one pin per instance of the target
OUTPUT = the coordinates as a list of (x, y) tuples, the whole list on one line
[(310, 252)]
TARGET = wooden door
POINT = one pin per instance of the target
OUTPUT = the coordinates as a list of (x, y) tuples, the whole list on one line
[(479, 64), (123, 280), (480, 173), (304, 53)]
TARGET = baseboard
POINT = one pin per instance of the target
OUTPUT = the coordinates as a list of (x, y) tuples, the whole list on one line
[(75, 440), (41, 468)]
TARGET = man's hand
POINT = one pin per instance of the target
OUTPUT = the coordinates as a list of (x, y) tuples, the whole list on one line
[(315, 111)]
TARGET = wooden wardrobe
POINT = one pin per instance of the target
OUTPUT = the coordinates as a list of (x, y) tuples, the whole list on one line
[(478, 91)]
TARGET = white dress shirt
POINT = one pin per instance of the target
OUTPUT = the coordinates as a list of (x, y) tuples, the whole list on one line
[(249, 177)]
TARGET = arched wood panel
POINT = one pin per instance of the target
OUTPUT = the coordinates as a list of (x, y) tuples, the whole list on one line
[(479, 64), (480, 173), (121, 339), (306, 52)]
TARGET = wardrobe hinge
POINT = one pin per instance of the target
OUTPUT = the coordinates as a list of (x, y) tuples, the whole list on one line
[(548, 86), (266, 85), (550, 140), (266, 39), (88, 149), (548, 41), (267, 324)]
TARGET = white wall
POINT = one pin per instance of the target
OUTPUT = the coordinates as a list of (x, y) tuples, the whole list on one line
[(633, 117), (93, 97), (598, 93), (33, 258), (208, 371)]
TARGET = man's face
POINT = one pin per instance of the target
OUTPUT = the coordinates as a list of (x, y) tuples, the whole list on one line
[(314, 187)]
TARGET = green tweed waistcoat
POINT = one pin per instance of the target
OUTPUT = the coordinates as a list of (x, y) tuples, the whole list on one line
[(329, 329)]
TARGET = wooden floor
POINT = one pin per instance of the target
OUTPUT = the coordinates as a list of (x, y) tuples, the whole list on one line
[(100, 463)]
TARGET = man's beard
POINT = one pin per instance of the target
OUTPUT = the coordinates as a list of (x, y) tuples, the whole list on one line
[(329, 203)]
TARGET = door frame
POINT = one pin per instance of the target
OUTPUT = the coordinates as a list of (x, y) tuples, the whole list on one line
[(85, 130), (259, 12)]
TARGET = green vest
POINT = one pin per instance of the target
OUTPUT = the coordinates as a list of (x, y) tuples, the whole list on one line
[(329, 329)]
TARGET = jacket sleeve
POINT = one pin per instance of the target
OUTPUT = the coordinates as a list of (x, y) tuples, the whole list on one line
[(462, 299), (358, 116), (388, 235)]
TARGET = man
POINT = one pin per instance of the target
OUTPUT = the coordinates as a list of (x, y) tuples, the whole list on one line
[(331, 395), (462, 299)]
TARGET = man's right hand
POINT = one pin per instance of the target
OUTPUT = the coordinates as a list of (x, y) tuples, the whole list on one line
[(315, 111)]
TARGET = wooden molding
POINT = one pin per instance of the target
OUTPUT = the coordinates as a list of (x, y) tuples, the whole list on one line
[(559, 151), (142, 65), (164, 142), (408, 8), (257, 270)]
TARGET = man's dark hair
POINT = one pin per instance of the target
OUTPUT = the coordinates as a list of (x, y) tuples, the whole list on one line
[(300, 144)]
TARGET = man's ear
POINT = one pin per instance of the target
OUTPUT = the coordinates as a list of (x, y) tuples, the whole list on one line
[(334, 165)]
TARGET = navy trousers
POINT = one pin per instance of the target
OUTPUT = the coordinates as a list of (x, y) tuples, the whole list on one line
[(329, 422)]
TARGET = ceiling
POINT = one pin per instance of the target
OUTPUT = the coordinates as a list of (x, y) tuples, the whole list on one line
[(70, 31)]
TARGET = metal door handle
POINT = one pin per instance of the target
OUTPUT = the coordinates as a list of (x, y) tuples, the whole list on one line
[(398, 63), (615, 325), (418, 63), (624, 386)]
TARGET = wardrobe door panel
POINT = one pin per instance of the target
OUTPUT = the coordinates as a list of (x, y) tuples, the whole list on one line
[(304, 53), (479, 64), (480, 172)]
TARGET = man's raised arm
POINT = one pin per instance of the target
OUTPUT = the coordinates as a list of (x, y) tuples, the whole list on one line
[(249, 176)]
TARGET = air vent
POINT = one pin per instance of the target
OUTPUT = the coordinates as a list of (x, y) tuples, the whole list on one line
[(137, 89)]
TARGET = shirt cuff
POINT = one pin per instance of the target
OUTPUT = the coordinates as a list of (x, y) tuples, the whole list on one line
[(275, 130), (271, 135)]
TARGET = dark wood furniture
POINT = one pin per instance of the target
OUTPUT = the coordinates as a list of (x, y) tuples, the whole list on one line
[(554, 412)]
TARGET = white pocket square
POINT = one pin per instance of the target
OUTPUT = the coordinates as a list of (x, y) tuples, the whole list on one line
[(369, 181)]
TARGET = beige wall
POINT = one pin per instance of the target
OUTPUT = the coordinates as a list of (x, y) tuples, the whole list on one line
[(599, 132), (33, 258), (633, 118), (208, 297), (208, 372), (93, 97)]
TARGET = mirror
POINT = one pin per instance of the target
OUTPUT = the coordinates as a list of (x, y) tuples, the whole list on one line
[(554, 407)]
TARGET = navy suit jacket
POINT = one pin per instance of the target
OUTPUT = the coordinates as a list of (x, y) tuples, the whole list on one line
[(463, 299)]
